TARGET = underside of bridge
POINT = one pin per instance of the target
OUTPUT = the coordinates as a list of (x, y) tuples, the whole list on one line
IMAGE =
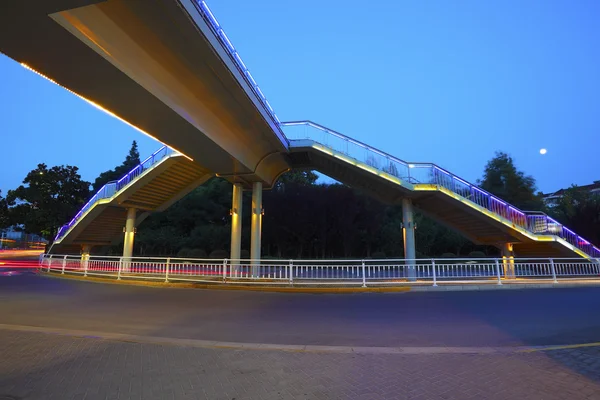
[(155, 189), (157, 65), (166, 68)]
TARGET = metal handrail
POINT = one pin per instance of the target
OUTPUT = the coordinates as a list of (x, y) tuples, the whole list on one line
[(363, 272), (241, 66), (535, 222), (113, 187)]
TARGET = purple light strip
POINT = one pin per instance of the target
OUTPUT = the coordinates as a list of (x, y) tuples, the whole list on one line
[(461, 181), (497, 200), (443, 171), (516, 210), (541, 215), (237, 59), (553, 220), (96, 196)]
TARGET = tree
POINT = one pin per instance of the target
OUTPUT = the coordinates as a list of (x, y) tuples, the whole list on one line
[(131, 161), (580, 211), (48, 199), (4, 215), (200, 220), (502, 179), (296, 177)]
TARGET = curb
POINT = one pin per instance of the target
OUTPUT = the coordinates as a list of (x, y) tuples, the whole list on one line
[(221, 286), (503, 287), (300, 288)]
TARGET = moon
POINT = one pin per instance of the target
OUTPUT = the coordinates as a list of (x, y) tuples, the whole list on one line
[(543, 151)]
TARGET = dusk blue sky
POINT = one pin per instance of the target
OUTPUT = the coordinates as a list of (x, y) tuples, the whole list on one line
[(427, 81)]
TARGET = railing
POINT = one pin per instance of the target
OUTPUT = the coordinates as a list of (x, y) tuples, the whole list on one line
[(323, 272), (237, 60), (111, 188), (534, 222)]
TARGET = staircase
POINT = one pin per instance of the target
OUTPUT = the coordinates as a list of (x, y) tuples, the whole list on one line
[(450, 200), (156, 183)]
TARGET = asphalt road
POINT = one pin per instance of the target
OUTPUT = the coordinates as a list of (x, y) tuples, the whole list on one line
[(494, 318)]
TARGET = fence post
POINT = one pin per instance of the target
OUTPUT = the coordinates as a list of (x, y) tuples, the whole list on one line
[(364, 277), (120, 268), (50, 263), (434, 274), (63, 265), (224, 270), (553, 271), (291, 272), (498, 272), (167, 270)]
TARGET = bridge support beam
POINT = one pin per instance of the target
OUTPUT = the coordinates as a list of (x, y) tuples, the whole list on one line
[(256, 228), (129, 234), (508, 260), (236, 223), (85, 257), (408, 232)]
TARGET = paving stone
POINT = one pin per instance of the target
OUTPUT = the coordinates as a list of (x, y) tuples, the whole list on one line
[(41, 366)]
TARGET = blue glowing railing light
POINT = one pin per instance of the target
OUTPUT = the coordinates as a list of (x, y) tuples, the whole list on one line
[(111, 188), (530, 221), (243, 69)]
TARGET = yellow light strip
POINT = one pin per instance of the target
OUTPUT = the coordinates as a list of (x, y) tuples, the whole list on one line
[(99, 107), (421, 187), (433, 187), (495, 216), (352, 161)]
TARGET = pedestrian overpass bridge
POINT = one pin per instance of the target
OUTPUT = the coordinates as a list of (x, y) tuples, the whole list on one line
[(167, 68)]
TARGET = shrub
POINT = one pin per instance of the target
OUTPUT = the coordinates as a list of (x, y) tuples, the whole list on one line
[(378, 255), (184, 252), (477, 254), (197, 253), (219, 254), (448, 255)]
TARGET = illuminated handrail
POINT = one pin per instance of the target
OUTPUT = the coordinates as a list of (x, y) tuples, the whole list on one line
[(428, 173), (237, 60), (111, 188)]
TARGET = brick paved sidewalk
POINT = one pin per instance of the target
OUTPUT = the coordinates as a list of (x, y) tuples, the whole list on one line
[(46, 366)]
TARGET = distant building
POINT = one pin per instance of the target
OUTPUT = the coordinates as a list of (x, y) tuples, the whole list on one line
[(552, 199), (14, 239)]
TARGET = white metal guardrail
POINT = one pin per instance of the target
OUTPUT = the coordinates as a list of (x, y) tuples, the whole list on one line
[(364, 273)]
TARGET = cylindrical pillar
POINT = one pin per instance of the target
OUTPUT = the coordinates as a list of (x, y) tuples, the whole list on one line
[(256, 228), (508, 260), (85, 257), (236, 223), (408, 231), (129, 233)]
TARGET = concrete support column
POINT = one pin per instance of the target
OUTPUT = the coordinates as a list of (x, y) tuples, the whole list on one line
[(408, 232), (129, 233), (508, 260), (236, 222), (85, 257), (256, 228)]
